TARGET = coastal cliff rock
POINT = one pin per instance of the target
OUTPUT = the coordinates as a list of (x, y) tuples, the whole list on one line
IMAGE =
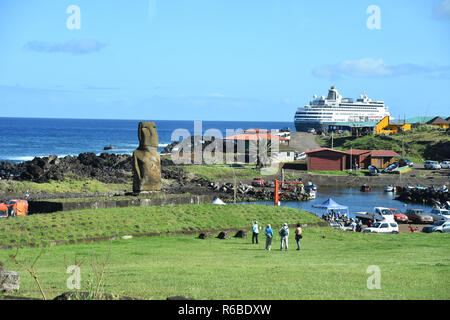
[(108, 168), (146, 160)]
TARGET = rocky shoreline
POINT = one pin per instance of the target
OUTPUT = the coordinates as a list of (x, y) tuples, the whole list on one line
[(423, 196), (117, 169)]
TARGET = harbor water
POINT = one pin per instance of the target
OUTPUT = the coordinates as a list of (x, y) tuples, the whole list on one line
[(356, 201)]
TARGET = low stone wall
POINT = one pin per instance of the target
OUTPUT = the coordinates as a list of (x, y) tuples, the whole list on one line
[(36, 207)]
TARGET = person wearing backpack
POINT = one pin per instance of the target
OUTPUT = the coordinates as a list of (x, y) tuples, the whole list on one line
[(298, 235), (284, 234), (269, 236)]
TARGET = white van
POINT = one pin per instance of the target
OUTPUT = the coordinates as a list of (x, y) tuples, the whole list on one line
[(381, 214)]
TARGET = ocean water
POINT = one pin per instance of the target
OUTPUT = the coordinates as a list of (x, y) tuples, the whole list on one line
[(22, 139)]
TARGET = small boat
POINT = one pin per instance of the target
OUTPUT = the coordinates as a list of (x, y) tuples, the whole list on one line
[(110, 147), (311, 194), (311, 187), (365, 188), (389, 188)]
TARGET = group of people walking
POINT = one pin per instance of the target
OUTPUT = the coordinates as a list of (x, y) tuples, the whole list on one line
[(283, 233)]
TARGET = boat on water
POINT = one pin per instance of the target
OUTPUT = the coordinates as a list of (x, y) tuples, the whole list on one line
[(365, 188), (311, 194), (337, 113), (311, 187), (389, 188)]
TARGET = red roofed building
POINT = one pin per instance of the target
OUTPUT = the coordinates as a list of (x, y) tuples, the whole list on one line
[(331, 159), (382, 158), (326, 159), (251, 143), (358, 158)]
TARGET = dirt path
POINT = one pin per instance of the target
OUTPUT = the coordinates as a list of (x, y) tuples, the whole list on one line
[(302, 141)]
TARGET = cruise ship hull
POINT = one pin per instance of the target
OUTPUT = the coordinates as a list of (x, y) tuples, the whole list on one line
[(337, 113), (330, 126), (323, 126)]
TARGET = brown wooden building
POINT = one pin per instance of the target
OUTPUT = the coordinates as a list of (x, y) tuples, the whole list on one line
[(326, 159), (331, 159), (382, 158)]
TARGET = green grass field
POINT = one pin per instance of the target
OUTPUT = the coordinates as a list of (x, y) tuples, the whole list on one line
[(412, 266), (72, 226)]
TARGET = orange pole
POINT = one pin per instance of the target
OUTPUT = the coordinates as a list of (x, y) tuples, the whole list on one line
[(276, 192)]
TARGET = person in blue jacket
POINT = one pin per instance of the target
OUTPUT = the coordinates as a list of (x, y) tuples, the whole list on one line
[(269, 236)]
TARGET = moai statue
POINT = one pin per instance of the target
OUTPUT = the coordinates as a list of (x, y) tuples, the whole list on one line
[(146, 160)]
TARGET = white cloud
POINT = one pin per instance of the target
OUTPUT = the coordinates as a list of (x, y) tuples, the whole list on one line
[(441, 9), (369, 67)]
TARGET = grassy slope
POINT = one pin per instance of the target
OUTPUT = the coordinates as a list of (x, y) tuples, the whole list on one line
[(413, 266), (42, 229), (69, 185), (419, 143)]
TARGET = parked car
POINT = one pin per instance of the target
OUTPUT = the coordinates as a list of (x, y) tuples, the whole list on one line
[(300, 156), (398, 216), (438, 226), (430, 164), (445, 164), (378, 214), (391, 168), (373, 171), (405, 162), (417, 216), (383, 214), (439, 214), (257, 182), (383, 227)]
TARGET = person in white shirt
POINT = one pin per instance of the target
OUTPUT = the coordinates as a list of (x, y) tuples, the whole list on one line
[(255, 234)]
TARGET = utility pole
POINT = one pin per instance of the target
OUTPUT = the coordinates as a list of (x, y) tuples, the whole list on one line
[(351, 163), (235, 187), (332, 140)]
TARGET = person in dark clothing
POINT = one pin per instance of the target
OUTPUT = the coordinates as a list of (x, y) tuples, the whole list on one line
[(298, 235)]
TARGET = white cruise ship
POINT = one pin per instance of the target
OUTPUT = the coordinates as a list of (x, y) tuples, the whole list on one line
[(337, 113)]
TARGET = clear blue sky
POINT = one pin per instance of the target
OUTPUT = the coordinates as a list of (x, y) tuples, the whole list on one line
[(219, 59)]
